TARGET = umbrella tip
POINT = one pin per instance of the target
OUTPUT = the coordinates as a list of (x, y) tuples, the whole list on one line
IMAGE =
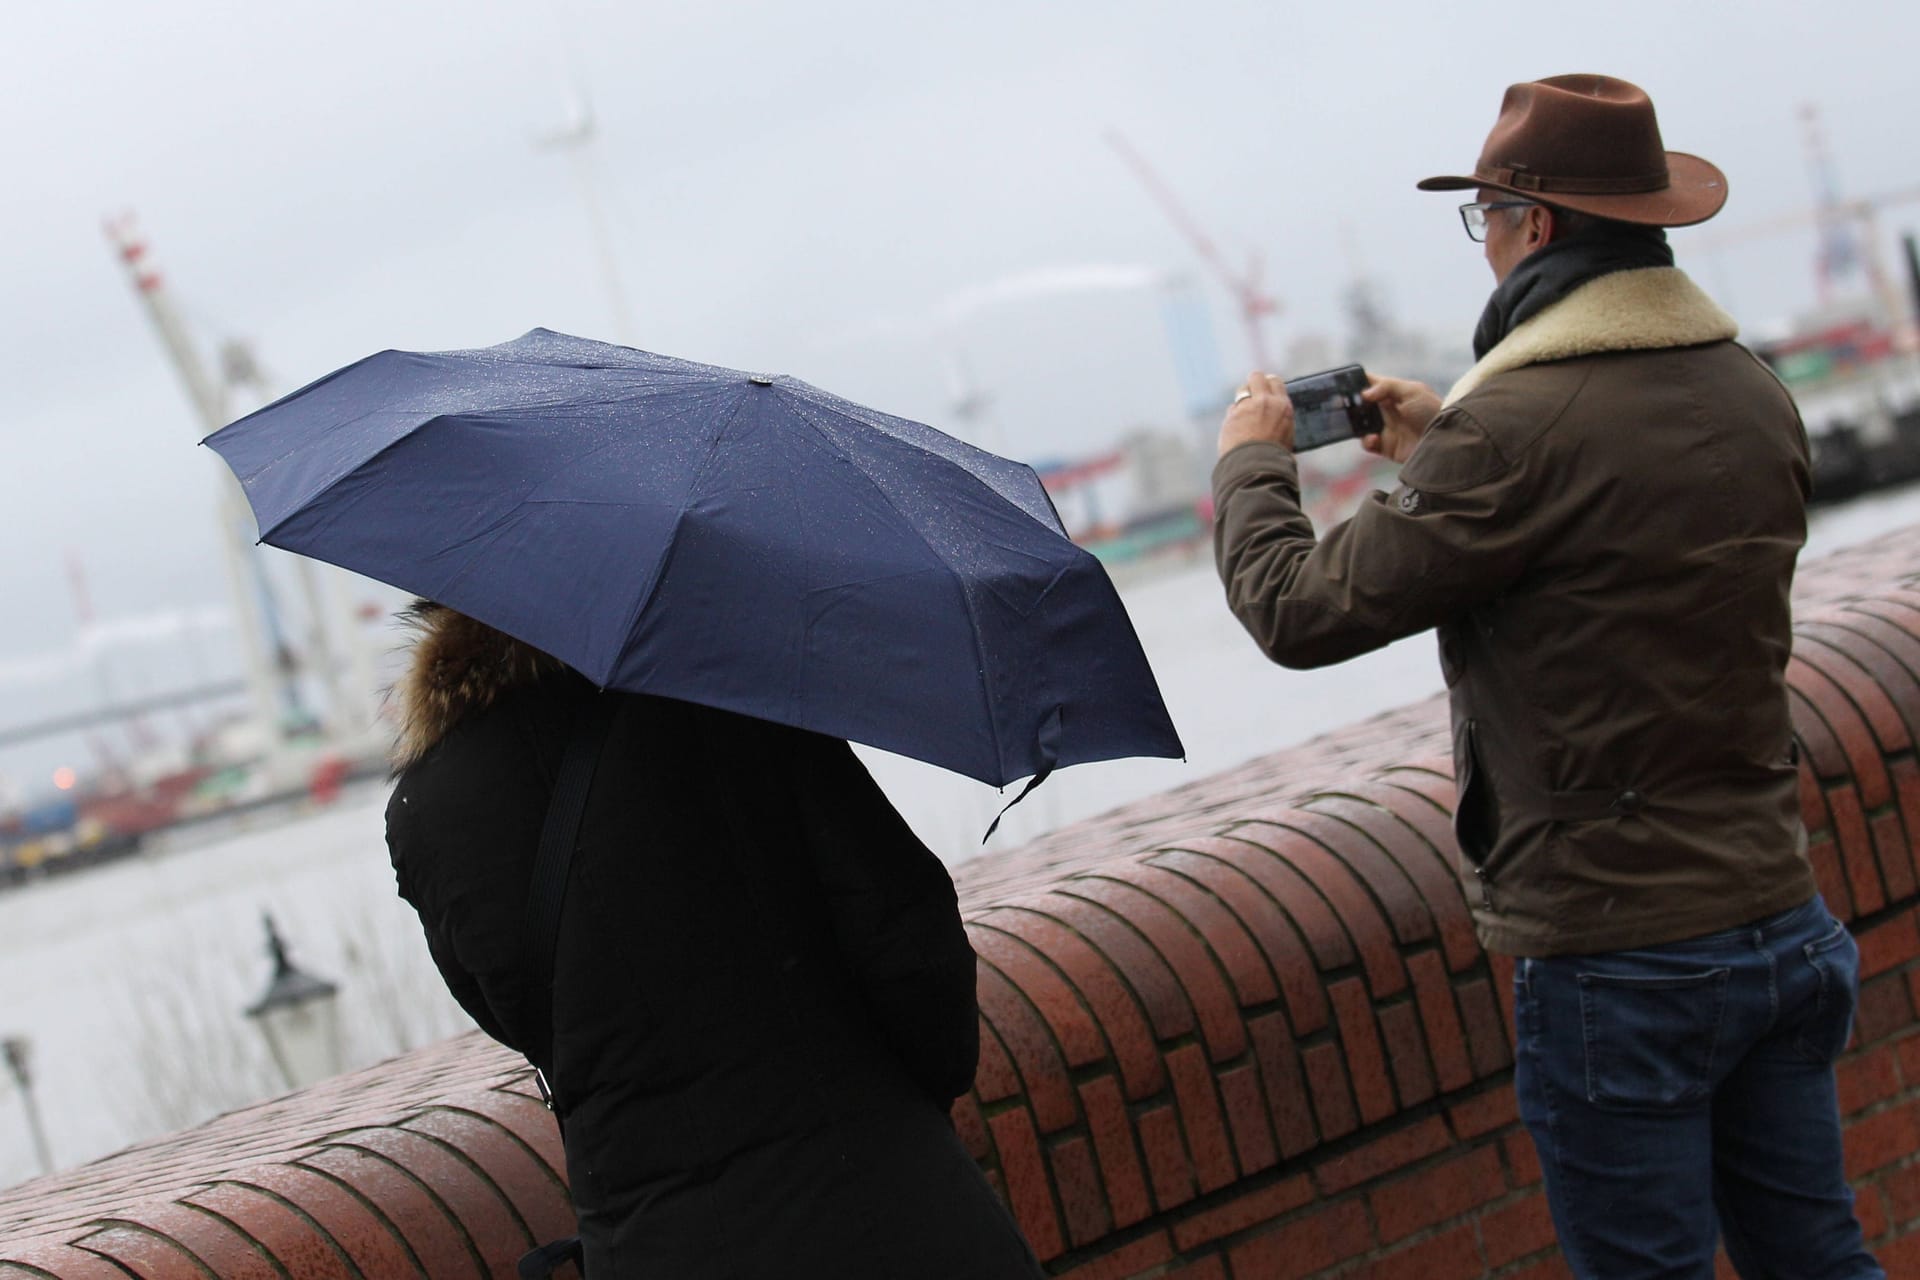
[(760, 379)]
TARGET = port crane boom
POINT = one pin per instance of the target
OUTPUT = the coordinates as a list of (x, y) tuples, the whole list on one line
[(1861, 213), (209, 400), (271, 669), (1254, 302)]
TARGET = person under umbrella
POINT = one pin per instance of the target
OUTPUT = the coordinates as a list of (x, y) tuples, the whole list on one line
[(762, 999), (626, 812)]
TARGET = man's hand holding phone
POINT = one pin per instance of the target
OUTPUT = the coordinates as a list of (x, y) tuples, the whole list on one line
[(1388, 415), (1260, 412), (1407, 408)]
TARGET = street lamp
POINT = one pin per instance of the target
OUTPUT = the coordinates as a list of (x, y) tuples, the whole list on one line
[(296, 1014), (15, 1050)]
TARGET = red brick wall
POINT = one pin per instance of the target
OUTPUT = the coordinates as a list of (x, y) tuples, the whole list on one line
[(1239, 1030), (1266, 1045), (440, 1163)]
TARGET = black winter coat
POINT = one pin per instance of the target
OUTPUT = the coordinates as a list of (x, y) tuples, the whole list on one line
[(763, 1001)]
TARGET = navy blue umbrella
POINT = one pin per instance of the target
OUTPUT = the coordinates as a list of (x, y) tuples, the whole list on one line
[(732, 539)]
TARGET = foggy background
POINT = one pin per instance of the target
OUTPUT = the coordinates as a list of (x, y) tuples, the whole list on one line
[(866, 195)]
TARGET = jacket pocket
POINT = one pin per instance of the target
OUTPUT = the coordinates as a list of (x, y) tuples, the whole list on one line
[(1650, 1037), (1836, 960), (1475, 818)]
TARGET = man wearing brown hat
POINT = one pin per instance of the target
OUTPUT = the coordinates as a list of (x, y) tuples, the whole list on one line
[(1601, 519)]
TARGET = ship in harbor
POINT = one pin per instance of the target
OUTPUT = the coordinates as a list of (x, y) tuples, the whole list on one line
[(199, 788), (1852, 361), (1855, 372)]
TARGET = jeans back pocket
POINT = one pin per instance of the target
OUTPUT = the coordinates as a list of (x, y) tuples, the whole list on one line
[(1650, 1039)]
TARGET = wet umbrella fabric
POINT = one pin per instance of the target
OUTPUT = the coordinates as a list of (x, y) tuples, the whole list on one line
[(740, 541)]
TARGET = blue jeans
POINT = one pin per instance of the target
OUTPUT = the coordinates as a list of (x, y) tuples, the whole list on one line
[(1685, 1091)]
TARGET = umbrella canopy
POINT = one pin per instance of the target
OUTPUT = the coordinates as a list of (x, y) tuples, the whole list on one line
[(737, 540)]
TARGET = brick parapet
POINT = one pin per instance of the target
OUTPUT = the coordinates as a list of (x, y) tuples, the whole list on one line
[(441, 1162), (1238, 1030)]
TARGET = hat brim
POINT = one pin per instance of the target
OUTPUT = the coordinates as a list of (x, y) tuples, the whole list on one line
[(1695, 191)]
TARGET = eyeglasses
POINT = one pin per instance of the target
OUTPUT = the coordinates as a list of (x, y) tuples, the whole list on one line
[(1474, 216)]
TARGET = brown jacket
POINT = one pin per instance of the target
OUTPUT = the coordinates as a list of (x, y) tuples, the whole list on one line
[(1602, 523)]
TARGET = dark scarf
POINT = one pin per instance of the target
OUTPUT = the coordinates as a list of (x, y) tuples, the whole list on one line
[(1551, 273)]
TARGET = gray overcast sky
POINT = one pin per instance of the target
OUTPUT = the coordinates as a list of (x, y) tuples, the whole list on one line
[(331, 179)]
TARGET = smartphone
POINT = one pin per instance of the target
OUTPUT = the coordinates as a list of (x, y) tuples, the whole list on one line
[(1327, 407)]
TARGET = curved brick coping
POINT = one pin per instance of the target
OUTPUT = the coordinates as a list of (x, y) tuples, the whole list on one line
[(440, 1163), (1239, 1029)]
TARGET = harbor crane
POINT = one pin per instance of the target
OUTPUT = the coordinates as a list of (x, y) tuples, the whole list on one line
[(209, 399), (575, 140), (1848, 231), (271, 670), (1254, 302), (1859, 218)]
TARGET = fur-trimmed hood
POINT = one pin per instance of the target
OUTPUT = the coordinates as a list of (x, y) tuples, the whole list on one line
[(456, 666), (1640, 310)]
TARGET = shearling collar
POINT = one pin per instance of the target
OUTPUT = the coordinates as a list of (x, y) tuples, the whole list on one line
[(1641, 310), (456, 666)]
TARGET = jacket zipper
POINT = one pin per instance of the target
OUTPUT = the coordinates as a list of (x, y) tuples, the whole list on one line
[(1480, 870)]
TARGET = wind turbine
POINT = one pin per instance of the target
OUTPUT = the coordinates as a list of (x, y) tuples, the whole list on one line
[(575, 139)]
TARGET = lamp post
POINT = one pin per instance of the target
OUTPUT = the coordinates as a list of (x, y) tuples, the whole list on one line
[(296, 1014), (15, 1050)]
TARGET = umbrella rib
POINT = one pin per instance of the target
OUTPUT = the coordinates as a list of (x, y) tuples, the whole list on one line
[(883, 422), (973, 622), (507, 516), (291, 396), (686, 411), (408, 434), (292, 450), (300, 507), (673, 537)]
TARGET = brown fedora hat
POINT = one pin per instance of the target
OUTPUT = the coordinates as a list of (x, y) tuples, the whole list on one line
[(1591, 144)]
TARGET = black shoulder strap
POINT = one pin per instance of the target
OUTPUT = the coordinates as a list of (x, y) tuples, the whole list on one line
[(547, 892), (539, 1264), (546, 895)]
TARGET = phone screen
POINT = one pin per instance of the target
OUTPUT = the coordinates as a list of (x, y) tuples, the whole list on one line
[(1327, 407)]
